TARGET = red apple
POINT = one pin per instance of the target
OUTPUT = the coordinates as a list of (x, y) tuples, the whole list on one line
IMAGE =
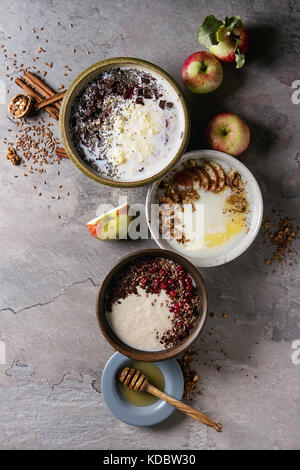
[(112, 225), (229, 42), (202, 72), (228, 133)]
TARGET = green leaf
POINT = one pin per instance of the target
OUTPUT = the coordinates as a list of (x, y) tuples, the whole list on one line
[(207, 34), (239, 59), (232, 22)]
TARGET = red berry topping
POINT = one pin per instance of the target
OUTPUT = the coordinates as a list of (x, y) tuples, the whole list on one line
[(144, 281), (179, 268), (161, 272), (163, 285), (171, 309), (170, 282), (173, 294)]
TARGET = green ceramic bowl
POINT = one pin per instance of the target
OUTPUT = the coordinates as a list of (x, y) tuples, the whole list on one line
[(80, 82)]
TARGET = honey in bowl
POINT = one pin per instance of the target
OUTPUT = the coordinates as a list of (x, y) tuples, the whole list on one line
[(156, 379)]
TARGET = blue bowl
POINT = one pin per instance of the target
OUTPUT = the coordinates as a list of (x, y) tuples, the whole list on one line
[(140, 415)]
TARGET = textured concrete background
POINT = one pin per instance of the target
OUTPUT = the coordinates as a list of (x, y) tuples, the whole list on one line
[(50, 268)]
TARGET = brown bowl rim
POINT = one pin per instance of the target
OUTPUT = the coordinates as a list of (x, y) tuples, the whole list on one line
[(73, 89), (150, 356)]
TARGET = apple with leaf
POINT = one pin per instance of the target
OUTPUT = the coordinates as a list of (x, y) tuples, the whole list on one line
[(228, 40)]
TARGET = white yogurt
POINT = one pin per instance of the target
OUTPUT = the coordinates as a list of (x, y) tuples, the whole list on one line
[(218, 231), (140, 320)]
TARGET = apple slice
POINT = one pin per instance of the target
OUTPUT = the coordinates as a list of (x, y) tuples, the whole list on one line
[(213, 174), (221, 175), (112, 225), (183, 178), (204, 176)]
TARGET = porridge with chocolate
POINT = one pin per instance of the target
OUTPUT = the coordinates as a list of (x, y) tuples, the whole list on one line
[(127, 124), (153, 304)]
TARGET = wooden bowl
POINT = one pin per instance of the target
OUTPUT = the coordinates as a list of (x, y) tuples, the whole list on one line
[(81, 82), (150, 355)]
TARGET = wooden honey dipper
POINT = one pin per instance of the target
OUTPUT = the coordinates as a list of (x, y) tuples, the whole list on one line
[(139, 382)]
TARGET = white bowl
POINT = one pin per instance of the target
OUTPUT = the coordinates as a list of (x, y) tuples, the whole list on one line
[(255, 217)]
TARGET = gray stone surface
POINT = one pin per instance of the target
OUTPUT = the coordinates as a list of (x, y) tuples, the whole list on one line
[(50, 268)]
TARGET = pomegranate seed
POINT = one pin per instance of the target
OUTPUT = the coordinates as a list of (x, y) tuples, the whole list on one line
[(156, 290), (189, 287), (163, 285), (152, 269), (176, 305), (144, 281), (161, 272), (173, 294), (179, 323), (171, 309), (179, 268), (156, 282), (170, 282), (190, 326)]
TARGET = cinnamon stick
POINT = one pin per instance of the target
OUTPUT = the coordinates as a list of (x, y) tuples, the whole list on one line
[(50, 110), (41, 86), (52, 99), (60, 152)]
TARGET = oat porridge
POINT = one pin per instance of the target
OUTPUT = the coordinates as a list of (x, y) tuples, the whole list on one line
[(153, 304), (127, 124)]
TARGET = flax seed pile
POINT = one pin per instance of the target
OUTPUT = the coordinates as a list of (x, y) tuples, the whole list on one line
[(34, 143), (30, 142)]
